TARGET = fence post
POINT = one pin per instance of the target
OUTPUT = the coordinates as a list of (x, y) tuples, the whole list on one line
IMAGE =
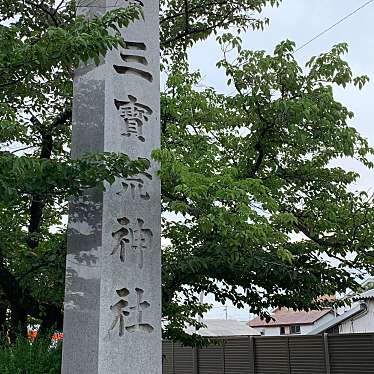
[(252, 355), (172, 357), (195, 358), (327, 353), (288, 355), (224, 356)]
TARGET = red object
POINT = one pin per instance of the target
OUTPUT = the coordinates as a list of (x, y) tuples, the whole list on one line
[(56, 337)]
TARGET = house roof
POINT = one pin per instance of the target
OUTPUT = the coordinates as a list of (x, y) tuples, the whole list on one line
[(368, 283), (338, 320), (290, 317), (353, 312), (367, 295), (223, 328)]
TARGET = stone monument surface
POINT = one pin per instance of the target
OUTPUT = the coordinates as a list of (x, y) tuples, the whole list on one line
[(112, 321)]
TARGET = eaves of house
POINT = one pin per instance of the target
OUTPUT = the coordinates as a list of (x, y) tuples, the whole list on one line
[(361, 308)]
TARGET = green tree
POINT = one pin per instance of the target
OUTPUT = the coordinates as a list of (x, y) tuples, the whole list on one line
[(267, 220), (245, 173), (40, 47)]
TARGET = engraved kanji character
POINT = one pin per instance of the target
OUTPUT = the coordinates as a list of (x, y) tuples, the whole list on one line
[(135, 187), (120, 312), (134, 115), (137, 58), (132, 237), (123, 313), (135, 2), (141, 305)]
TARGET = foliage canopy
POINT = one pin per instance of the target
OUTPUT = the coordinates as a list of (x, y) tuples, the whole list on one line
[(262, 217)]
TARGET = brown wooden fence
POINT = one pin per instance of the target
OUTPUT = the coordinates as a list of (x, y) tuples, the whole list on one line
[(322, 354)]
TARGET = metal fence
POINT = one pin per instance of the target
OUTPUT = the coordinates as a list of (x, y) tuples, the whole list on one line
[(322, 354)]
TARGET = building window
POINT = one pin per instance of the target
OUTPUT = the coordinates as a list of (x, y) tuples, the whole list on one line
[(282, 330), (295, 330)]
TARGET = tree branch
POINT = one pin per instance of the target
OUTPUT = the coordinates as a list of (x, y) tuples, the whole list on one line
[(190, 32), (38, 202), (62, 118), (51, 12), (196, 8)]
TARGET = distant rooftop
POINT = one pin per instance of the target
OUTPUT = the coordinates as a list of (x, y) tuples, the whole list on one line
[(367, 284), (367, 295), (286, 317), (353, 312), (223, 328), (338, 320)]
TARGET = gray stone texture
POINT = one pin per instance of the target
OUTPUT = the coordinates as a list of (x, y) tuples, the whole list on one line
[(112, 316)]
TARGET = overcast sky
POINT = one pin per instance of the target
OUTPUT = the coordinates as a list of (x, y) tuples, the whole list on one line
[(300, 21)]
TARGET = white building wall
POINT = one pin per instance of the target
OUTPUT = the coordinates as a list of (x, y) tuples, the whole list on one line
[(270, 331), (360, 324), (323, 320), (306, 328)]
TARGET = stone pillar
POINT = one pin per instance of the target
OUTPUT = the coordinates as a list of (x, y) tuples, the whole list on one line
[(112, 322)]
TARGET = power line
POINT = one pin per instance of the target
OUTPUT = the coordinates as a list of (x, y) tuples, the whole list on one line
[(335, 24)]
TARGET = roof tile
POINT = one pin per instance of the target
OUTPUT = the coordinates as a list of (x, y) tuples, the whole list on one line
[(289, 317)]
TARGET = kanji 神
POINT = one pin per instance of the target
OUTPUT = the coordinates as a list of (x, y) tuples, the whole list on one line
[(130, 318), (134, 115), (132, 236)]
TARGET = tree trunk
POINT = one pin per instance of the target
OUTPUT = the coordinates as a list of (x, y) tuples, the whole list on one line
[(18, 322), (3, 310), (52, 320)]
